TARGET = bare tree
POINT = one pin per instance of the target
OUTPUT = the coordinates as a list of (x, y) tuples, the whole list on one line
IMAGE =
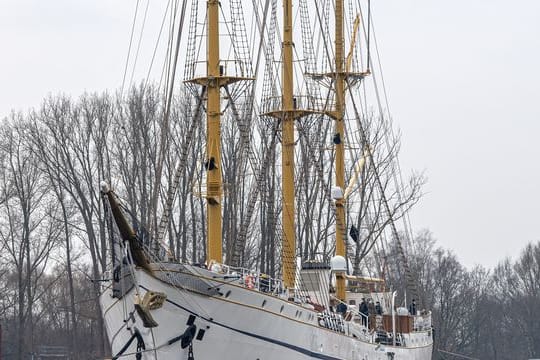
[(70, 139), (28, 230), (517, 289)]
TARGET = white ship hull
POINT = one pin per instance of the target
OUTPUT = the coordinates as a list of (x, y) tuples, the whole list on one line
[(237, 323)]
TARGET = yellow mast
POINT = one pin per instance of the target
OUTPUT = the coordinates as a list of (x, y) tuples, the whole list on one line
[(287, 156), (287, 114), (213, 144), (339, 138), (213, 81)]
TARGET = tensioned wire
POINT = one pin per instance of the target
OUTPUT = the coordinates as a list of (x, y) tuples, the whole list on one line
[(367, 40), (157, 44), (149, 253), (165, 127), (243, 130), (139, 43), (296, 74), (303, 294), (392, 137), (398, 181), (129, 48), (388, 211), (127, 251)]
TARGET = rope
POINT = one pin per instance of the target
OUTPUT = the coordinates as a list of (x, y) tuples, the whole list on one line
[(398, 177), (409, 277), (368, 35), (157, 44), (129, 48), (164, 130), (141, 347), (139, 43), (173, 186), (150, 254)]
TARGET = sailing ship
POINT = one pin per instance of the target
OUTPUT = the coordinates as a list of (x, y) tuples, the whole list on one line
[(314, 307)]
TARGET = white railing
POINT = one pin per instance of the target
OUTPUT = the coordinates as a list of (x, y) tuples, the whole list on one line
[(422, 322), (228, 67), (301, 102), (354, 312), (249, 279), (332, 321)]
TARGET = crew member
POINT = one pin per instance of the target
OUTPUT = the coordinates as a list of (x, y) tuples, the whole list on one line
[(378, 308), (412, 308), (364, 311)]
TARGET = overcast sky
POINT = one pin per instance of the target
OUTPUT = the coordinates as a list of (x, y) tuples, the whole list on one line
[(463, 79)]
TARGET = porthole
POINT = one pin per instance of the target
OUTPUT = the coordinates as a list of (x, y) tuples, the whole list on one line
[(264, 303), (281, 309), (228, 293)]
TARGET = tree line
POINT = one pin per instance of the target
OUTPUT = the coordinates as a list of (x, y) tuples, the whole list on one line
[(481, 313)]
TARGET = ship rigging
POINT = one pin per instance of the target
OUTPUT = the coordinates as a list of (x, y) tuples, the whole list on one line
[(236, 302)]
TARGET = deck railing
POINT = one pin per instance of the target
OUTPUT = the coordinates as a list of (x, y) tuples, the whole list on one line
[(300, 102), (422, 321), (252, 280)]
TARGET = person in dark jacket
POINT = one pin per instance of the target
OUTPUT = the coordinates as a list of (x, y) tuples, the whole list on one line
[(412, 308), (341, 308), (378, 308), (364, 311)]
